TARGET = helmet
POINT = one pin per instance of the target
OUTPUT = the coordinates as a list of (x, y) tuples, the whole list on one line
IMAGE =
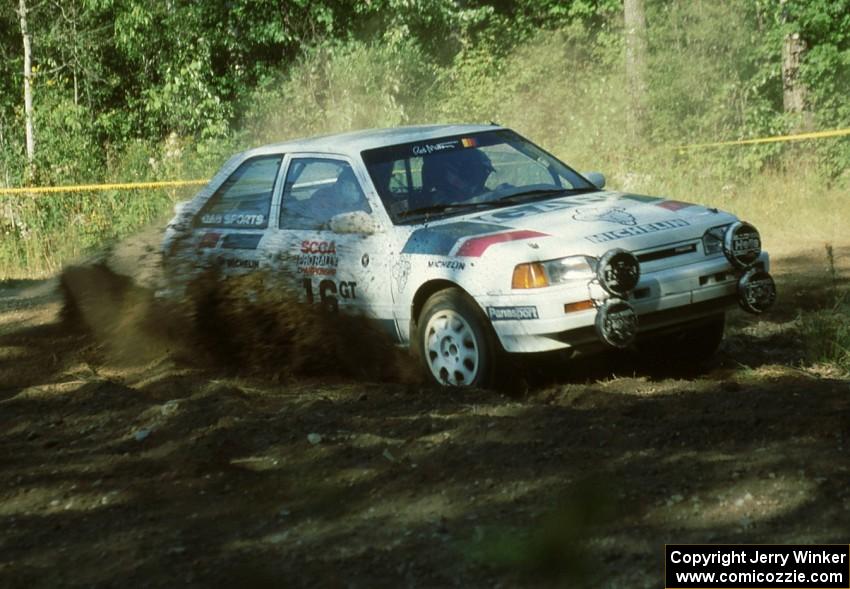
[(459, 174)]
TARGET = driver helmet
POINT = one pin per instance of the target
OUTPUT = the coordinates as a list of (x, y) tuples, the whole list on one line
[(464, 173)]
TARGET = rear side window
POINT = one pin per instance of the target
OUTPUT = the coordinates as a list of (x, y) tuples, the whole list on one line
[(317, 189), (245, 198)]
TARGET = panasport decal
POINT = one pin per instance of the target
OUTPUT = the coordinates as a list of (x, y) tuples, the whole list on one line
[(512, 313)]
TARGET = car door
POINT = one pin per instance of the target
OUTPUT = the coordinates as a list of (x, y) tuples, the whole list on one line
[(232, 225), (329, 241)]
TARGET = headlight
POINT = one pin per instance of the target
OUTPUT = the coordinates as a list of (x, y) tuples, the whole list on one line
[(553, 272), (712, 240)]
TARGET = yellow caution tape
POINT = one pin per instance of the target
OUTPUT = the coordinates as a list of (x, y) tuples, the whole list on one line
[(178, 183), (798, 137), (96, 187)]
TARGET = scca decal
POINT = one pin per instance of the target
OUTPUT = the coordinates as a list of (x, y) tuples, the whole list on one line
[(512, 313), (317, 258), (318, 247)]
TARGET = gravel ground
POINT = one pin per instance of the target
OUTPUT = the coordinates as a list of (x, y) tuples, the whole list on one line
[(162, 473)]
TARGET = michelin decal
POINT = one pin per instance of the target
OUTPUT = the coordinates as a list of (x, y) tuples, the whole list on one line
[(637, 230)]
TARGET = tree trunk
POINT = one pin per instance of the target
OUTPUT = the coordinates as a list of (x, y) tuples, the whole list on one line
[(635, 24), (794, 91), (22, 14), (3, 150)]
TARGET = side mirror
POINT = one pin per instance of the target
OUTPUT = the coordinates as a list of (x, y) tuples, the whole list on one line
[(596, 178), (354, 222)]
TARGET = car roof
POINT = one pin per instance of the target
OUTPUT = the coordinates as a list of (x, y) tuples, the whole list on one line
[(357, 141)]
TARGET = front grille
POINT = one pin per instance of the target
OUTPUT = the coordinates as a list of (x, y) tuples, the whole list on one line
[(667, 252)]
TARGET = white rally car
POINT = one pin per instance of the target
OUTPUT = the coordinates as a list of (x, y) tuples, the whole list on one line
[(465, 241)]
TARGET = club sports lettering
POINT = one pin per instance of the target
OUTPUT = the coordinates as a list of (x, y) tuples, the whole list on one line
[(233, 219), (447, 264)]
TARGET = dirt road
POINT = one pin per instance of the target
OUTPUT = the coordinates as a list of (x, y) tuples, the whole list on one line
[(168, 474)]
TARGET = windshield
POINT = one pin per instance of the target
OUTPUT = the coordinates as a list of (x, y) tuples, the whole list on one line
[(454, 175)]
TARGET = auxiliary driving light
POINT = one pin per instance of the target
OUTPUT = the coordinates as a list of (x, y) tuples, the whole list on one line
[(618, 271), (616, 323), (742, 244), (756, 291)]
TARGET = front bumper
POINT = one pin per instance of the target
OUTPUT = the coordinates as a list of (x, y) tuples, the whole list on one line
[(662, 300)]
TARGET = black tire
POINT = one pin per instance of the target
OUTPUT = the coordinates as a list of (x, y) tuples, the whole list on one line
[(454, 341)]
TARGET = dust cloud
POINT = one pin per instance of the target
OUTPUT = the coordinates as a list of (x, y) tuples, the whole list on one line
[(246, 325)]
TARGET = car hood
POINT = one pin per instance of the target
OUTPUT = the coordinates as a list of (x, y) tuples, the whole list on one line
[(587, 223)]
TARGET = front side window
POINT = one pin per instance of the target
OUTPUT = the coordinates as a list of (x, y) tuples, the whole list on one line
[(244, 199), (454, 175), (316, 190)]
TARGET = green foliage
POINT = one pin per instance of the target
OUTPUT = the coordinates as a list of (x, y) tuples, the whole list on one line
[(65, 139), (826, 332), (826, 336), (138, 90), (338, 87)]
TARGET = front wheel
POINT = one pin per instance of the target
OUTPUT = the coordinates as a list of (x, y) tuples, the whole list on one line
[(455, 341)]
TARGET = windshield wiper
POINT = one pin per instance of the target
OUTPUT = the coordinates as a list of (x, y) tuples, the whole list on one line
[(442, 207), (499, 202), (542, 192)]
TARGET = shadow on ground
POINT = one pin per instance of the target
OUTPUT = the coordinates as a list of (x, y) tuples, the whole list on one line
[(169, 474)]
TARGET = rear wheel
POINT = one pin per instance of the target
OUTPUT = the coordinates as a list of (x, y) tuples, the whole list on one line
[(455, 342)]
